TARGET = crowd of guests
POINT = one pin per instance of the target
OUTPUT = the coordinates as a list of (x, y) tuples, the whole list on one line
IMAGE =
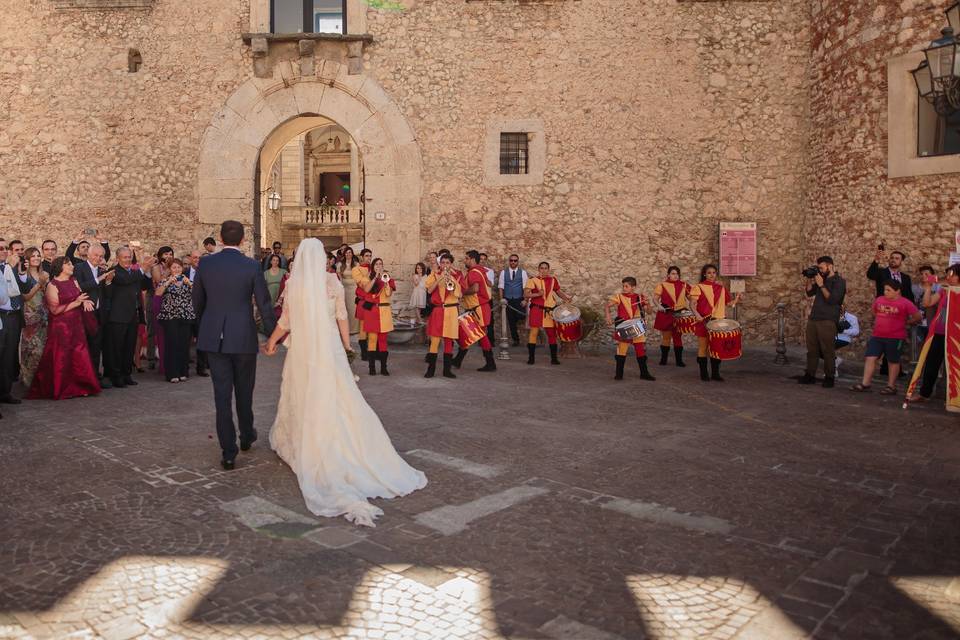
[(899, 304), (78, 323)]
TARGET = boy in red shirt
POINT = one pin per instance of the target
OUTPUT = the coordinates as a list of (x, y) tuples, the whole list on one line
[(892, 314)]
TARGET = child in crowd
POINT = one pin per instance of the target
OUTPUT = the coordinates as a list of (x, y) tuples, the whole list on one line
[(849, 328), (892, 314)]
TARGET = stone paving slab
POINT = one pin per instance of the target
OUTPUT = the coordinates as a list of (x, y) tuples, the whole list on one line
[(645, 510)]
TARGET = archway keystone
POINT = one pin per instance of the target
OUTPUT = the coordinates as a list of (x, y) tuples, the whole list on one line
[(387, 144)]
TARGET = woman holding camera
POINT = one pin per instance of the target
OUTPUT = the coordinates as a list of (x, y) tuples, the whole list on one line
[(378, 315), (709, 300), (176, 316)]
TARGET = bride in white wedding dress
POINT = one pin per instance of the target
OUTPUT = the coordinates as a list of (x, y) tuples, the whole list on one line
[(325, 430)]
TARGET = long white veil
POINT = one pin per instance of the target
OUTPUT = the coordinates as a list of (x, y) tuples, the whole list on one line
[(325, 430)]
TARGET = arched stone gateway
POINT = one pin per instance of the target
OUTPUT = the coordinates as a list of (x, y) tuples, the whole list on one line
[(391, 157)]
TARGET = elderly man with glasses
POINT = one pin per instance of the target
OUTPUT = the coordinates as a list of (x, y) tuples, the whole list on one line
[(512, 281)]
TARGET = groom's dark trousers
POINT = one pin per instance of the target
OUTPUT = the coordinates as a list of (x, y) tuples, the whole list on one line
[(223, 286), (233, 375)]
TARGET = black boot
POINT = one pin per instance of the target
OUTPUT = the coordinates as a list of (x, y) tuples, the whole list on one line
[(678, 356), (372, 361), (664, 354), (491, 364), (447, 365), (383, 363), (621, 361), (644, 371), (553, 354), (458, 359), (363, 349), (431, 365), (704, 375), (532, 350), (715, 370)]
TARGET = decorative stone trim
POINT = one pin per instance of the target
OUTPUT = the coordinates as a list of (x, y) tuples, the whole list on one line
[(537, 150), (103, 4), (902, 126), (307, 45)]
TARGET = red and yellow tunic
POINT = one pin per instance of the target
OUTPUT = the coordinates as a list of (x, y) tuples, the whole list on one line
[(672, 296), (479, 302), (379, 319), (629, 306), (361, 275), (442, 322), (544, 303), (711, 300)]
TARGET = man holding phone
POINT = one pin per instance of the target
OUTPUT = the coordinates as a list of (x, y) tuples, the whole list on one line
[(892, 272)]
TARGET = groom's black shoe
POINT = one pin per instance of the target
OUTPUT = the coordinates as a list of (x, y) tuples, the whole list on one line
[(227, 465), (246, 444), (130, 382), (383, 363), (431, 365), (372, 357)]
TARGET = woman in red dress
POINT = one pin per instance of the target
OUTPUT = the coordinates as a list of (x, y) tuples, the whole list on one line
[(65, 370)]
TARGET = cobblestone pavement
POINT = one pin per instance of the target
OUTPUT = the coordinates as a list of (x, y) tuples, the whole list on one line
[(561, 505)]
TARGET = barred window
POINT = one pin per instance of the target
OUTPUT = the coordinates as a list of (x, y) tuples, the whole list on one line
[(936, 135), (514, 152), (308, 16)]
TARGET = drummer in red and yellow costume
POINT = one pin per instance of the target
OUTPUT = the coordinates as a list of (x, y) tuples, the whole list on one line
[(361, 275), (378, 319), (444, 288), (629, 305), (709, 301), (672, 296), (542, 292), (476, 300)]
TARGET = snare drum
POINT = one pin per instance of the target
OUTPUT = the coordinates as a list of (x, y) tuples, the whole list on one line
[(567, 318), (684, 322), (630, 330), (725, 339), (470, 330)]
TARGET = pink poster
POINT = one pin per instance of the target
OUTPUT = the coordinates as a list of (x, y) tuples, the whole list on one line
[(738, 249)]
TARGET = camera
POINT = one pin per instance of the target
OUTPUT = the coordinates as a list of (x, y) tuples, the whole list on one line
[(811, 272)]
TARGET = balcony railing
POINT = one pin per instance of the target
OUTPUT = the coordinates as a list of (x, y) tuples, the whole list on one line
[(349, 215)]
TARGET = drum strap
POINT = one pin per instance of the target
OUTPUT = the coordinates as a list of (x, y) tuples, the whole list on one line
[(384, 304), (451, 305)]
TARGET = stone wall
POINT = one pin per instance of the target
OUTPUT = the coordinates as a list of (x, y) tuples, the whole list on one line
[(84, 143), (661, 119), (854, 204)]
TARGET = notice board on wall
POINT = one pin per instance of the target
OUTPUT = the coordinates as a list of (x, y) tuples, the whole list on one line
[(738, 249)]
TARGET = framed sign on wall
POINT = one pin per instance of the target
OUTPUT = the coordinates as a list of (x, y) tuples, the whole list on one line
[(738, 249)]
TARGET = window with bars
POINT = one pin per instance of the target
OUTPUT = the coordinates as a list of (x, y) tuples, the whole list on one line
[(308, 16), (514, 152)]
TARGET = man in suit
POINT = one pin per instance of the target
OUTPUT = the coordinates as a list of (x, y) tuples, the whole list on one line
[(123, 316), (192, 264), (880, 275), (93, 278), (11, 315), (225, 284)]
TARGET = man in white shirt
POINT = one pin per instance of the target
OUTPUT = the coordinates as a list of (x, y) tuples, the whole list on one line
[(851, 329), (11, 314), (512, 281)]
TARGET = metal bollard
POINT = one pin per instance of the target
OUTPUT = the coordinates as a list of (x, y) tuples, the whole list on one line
[(781, 357), (504, 353)]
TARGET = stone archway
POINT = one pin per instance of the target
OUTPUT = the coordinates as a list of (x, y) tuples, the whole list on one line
[(233, 140)]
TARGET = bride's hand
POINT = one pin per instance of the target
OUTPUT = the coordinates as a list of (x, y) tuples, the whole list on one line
[(270, 348)]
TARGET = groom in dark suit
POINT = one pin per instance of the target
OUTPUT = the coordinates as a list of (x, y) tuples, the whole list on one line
[(222, 291)]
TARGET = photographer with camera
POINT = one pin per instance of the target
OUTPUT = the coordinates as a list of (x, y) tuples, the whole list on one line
[(827, 290)]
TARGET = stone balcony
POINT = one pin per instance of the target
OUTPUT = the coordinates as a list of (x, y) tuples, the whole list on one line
[(303, 222)]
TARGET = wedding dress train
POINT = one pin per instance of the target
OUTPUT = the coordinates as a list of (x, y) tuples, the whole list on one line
[(325, 430)]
